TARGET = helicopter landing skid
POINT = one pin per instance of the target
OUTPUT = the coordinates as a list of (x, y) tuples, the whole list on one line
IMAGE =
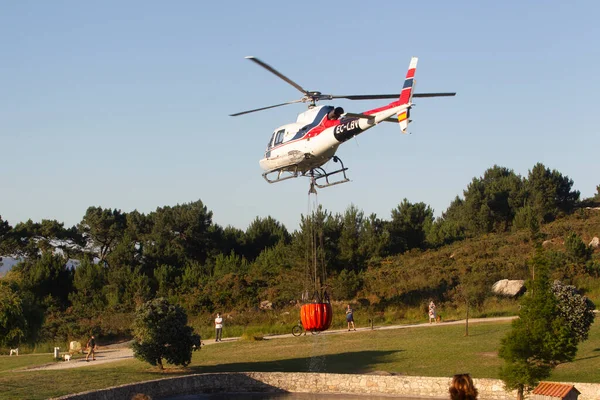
[(319, 174), (282, 175), (315, 175)]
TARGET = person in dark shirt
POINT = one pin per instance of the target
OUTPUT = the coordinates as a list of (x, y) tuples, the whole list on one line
[(336, 113), (333, 117), (91, 348), (350, 317)]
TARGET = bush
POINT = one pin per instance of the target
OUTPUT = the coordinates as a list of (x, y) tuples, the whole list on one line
[(576, 309), (161, 332)]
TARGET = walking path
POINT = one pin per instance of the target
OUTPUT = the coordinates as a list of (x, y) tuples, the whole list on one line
[(122, 351)]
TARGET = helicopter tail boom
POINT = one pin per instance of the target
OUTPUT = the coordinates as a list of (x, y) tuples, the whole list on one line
[(401, 107)]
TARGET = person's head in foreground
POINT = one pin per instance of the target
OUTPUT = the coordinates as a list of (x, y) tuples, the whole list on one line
[(462, 388)]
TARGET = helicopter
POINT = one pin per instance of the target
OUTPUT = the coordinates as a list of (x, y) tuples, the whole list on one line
[(302, 148)]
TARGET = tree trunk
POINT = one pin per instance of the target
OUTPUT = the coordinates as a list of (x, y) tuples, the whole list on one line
[(160, 364), (520, 393)]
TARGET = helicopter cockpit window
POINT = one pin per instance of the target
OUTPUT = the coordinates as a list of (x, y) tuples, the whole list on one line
[(271, 141), (279, 137)]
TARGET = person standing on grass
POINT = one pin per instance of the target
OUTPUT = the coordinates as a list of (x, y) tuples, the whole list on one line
[(432, 312), (218, 328), (350, 317), (91, 348)]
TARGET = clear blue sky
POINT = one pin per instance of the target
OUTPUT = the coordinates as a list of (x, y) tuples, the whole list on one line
[(125, 104)]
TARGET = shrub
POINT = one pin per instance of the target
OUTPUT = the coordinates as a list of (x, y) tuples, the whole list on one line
[(161, 332)]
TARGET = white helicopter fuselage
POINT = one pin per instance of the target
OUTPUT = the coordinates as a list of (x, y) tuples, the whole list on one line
[(314, 139), (295, 146)]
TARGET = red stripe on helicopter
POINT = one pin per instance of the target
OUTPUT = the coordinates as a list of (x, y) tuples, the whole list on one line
[(405, 95), (324, 124), (376, 110), (403, 100), (318, 125)]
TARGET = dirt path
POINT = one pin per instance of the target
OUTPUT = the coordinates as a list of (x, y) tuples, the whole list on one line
[(120, 352), (102, 357)]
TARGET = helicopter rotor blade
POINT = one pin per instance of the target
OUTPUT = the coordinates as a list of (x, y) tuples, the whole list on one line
[(389, 96), (367, 96), (279, 74), (265, 108), (446, 94)]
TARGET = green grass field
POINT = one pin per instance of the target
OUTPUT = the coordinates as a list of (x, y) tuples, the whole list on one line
[(276, 323), (441, 350)]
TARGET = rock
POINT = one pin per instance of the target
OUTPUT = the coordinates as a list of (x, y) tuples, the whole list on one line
[(74, 347), (595, 242), (546, 243), (511, 288), (266, 305)]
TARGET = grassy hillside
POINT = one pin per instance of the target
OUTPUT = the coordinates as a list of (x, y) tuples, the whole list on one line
[(398, 289), (413, 277)]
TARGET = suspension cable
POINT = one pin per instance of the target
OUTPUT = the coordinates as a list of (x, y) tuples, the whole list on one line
[(312, 270)]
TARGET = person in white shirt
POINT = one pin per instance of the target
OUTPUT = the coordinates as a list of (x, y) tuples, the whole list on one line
[(218, 327), (432, 312)]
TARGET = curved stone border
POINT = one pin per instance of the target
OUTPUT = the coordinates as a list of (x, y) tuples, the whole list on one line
[(409, 386)]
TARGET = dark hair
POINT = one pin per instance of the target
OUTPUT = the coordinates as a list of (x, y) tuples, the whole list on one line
[(462, 388)]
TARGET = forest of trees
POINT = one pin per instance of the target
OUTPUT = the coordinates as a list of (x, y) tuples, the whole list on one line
[(179, 253)]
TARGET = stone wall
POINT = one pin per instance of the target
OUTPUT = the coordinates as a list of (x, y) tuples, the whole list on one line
[(589, 391), (412, 386)]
